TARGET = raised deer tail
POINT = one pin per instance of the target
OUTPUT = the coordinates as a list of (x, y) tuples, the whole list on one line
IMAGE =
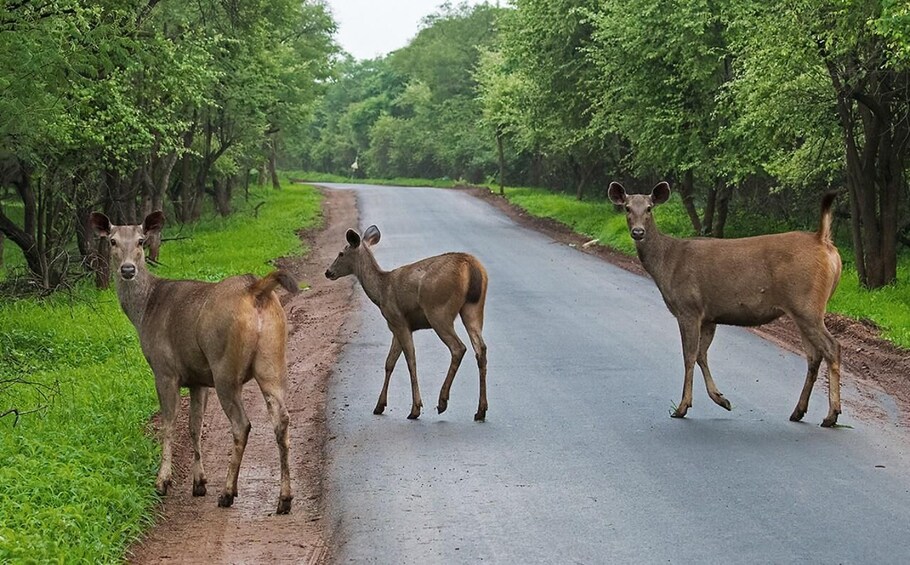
[(476, 283), (261, 288), (824, 225)]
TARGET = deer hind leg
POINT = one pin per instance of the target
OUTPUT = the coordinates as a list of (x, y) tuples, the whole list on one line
[(228, 387), (390, 362), (689, 331), (445, 329), (406, 340), (198, 400), (819, 343), (472, 316), (169, 399), (704, 342), (271, 375)]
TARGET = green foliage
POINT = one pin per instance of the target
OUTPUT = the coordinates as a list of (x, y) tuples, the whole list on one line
[(77, 477), (413, 112)]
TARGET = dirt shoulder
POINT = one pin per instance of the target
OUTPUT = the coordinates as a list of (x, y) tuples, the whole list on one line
[(195, 530), (869, 361)]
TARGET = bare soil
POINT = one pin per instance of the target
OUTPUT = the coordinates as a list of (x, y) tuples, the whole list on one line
[(193, 529), (871, 363)]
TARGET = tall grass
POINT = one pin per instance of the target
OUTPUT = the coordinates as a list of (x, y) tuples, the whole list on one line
[(889, 308), (77, 478)]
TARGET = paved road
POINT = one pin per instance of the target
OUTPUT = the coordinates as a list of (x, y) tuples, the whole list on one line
[(579, 461)]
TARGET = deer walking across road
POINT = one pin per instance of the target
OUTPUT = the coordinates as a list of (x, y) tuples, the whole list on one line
[(430, 293), (199, 335), (742, 282)]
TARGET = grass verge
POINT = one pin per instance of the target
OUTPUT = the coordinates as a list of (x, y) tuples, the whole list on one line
[(77, 476), (888, 308)]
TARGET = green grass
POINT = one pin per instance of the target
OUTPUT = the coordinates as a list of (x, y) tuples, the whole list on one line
[(77, 478), (889, 308)]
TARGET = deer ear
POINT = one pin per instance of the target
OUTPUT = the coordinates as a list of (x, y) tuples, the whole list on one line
[(660, 193), (617, 193), (153, 222), (100, 224), (353, 238), (371, 236)]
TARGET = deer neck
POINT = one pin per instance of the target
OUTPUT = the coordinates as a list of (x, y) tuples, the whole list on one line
[(654, 252), (371, 276), (134, 295)]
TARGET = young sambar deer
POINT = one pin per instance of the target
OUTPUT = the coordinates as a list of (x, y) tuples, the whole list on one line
[(742, 282), (200, 335), (430, 293)]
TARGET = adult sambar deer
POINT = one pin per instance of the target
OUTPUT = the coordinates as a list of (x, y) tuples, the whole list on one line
[(199, 335), (430, 293), (741, 282)]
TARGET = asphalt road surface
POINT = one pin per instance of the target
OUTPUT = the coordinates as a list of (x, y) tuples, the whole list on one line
[(579, 461)]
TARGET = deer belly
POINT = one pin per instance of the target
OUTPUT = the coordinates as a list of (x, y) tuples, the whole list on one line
[(744, 310)]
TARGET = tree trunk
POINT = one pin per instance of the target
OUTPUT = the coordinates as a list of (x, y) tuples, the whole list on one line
[(722, 209), (273, 164), (686, 190), (221, 196), (708, 223)]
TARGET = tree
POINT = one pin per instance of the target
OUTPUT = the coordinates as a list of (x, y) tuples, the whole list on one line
[(842, 73)]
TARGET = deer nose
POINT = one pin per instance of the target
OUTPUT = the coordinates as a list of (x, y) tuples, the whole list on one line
[(328, 273), (128, 271), (638, 234)]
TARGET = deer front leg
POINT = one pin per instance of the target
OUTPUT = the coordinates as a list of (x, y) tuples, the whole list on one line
[(198, 399), (689, 331), (168, 399), (406, 340), (391, 360)]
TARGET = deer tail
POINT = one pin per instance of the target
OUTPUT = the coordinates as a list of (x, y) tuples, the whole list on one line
[(824, 225), (262, 287)]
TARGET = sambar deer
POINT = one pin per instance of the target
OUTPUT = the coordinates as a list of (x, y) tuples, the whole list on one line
[(741, 282), (430, 293), (199, 335)]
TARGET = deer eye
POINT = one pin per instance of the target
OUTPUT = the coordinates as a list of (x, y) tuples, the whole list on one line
[(628, 208), (648, 209), (341, 254), (141, 241), (113, 242)]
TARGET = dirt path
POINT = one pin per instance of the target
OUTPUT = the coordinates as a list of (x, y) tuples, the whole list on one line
[(195, 530)]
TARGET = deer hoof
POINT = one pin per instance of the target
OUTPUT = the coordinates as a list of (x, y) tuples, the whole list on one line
[(162, 486), (480, 416), (724, 403), (199, 488), (284, 505), (829, 421), (441, 407), (797, 415), (225, 500), (413, 415), (380, 408), (678, 414)]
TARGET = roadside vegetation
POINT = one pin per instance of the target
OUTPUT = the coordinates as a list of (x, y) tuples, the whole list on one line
[(77, 464)]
